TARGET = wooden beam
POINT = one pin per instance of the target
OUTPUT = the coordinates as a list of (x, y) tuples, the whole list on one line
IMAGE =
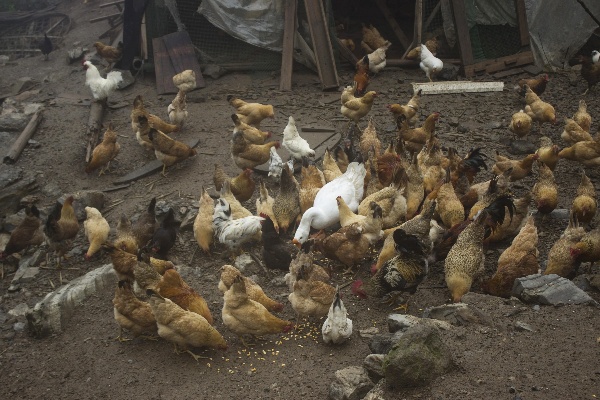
[(94, 125), (106, 17), (17, 148), (457, 87), (435, 10), (462, 30), (346, 53), (498, 64), (393, 24), (417, 30), (112, 3), (522, 22), (287, 54), (319, 33)]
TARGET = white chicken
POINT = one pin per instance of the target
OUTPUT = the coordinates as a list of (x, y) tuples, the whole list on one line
[(185, 80), (377, 59), (234, 232), (177, 110), (293, 143), (430, 64), (595, 56), (337, 327), (324, 212), (347, 94), (275, 164), (101, 87)]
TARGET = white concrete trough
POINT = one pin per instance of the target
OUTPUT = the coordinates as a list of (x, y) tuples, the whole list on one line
[(448, 87)]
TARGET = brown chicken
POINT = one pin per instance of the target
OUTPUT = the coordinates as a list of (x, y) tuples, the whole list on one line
[(155, 122), (588, 247), (312, 181), (370, 224), (250, 133), (357, 108), (145, 226), (146, 276), (242, 186), (538, 110), (372, 39), (141, 129), (203, 223), (582, 117), (286, 206), (183, 328), (432, 44), (28, 233), (174, 288), (61, 226), (520, 124), (414, 190), (361, 78), (433, 165), (545, 190), (449, 207), (169, 151), (415, 139), (518, 260), (305, 259), (369, 140), (109, 53), (392, 203), (123, 262), (251, 113), (389, 167), (311, 298), (248, 155), (537, 85), (330, 168), (494, 190), (585, 203), (409, 110), (228, 275), (104, 152), (511, 226), (244, 316), (560, 261), (264, 205), (132, 313), (573, 133), (520, 168), (548, 152), (587, 153), (590, 71), (469, 166)]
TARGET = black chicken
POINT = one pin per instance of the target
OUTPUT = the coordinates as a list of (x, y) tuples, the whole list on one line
[(145, 226), (164, 237), (276, 253), (46, 47)]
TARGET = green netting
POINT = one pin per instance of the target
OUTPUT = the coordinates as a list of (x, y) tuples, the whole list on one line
[(494, 41)]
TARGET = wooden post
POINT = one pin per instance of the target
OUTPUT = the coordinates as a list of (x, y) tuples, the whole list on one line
[(462, 32), (94, 126), (418, 27), (17, 148), (319, 33), (287, 55), (393, 24)]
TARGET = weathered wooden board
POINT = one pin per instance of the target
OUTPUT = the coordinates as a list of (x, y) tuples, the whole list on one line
[(183, 56), (287, 54), (457, 87), (319, 33), (392, 22), (163, 68)]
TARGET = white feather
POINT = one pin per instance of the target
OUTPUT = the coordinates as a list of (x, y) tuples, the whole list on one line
[(429, 63), (337, 327), (293, 143), (101, 87), (234, 233)]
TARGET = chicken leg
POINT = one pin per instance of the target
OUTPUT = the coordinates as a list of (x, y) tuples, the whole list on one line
[(120, 338)]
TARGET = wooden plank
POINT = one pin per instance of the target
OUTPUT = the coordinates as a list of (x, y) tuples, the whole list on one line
[(498, 64), (112, 3), (346, 53), (522, 22), (15, 150), (417, 30), (319, 33), (105, 17), (462, 30), (163, 67), (457, 87), (287, 54), (508, 72), (393, 24), (183, 56)]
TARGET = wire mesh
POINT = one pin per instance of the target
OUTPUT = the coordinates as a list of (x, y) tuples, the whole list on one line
[(436, 24), (23, 38)]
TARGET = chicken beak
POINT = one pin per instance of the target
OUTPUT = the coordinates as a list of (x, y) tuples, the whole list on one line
[(296, 243)]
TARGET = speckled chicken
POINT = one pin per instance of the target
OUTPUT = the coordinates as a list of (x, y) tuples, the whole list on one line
[(560, 261), (132, 313), (228, 275), (287, 205)]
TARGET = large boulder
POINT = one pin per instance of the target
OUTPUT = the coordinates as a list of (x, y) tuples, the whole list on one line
[(549, 290)]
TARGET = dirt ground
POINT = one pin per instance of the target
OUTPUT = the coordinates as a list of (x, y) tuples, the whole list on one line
[(558, 360)]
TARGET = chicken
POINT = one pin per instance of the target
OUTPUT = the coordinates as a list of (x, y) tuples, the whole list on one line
[(146, 276), (305, 259), (430, 64), (249, 155), (312, 181), (167, 150), (369, 140), (494, 190), (177, 110), (337, 328), (511, 226), (264, 204), (61, 226), (101, 87), (520, 168), (357, 108), (293, 143), (587, 249), (234, 232), (145, 226), (537, 85), (132, 313), (402, 273), (276, 253), (415, 139), (377, 59), (173, 287), (392, 203), (548, 152), (203, 223), (311, 298), (165, 236), (560, 259), (104, 152), (465, 260), (330, 168), (183, 328), (432, 44), (449, 207), (520, 124), (185, 80), (595, 56), (590, 71), (250, 133), (237, 209), (154, 121), (573, 133), (275, 164), (469, 166), (229, 274), (244, 316), (251, 113), (46, 46), (242, 186), (538, 110), (389, 167), (96, 230), (371, 223), (347, 94), (409, 110), (141, 129), (27, 233), (372, 39), (582, 117), (518, 260), (432, 167), (361, 79), (110, 54), (349, 44), (545, 190), (587, 153), (286, 206), (585, 203), (414, 191)]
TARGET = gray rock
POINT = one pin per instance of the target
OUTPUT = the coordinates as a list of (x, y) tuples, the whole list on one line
[(549, 290), (2, 317), (373, 364), (368, 332), (244, 261), (13, 220), (214, 71), (19, 326), (49, 315), (52, 190), (493, 125), (522, 147), (401, 322), (522, 326), (28, 268), (383, 342), (458, 314), (453, 121), (351, 383), (13, 122), (19, 311), (161, 208), (378, 391), (32, 108), (279, 281), (9, 174), (83, 199), (583, 282), (594, 281), (187, 223), (128, 79), (449, 72), (417, 359), (4, 60)]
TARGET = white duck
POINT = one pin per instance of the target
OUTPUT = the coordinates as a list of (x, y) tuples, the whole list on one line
[(324, 212)]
